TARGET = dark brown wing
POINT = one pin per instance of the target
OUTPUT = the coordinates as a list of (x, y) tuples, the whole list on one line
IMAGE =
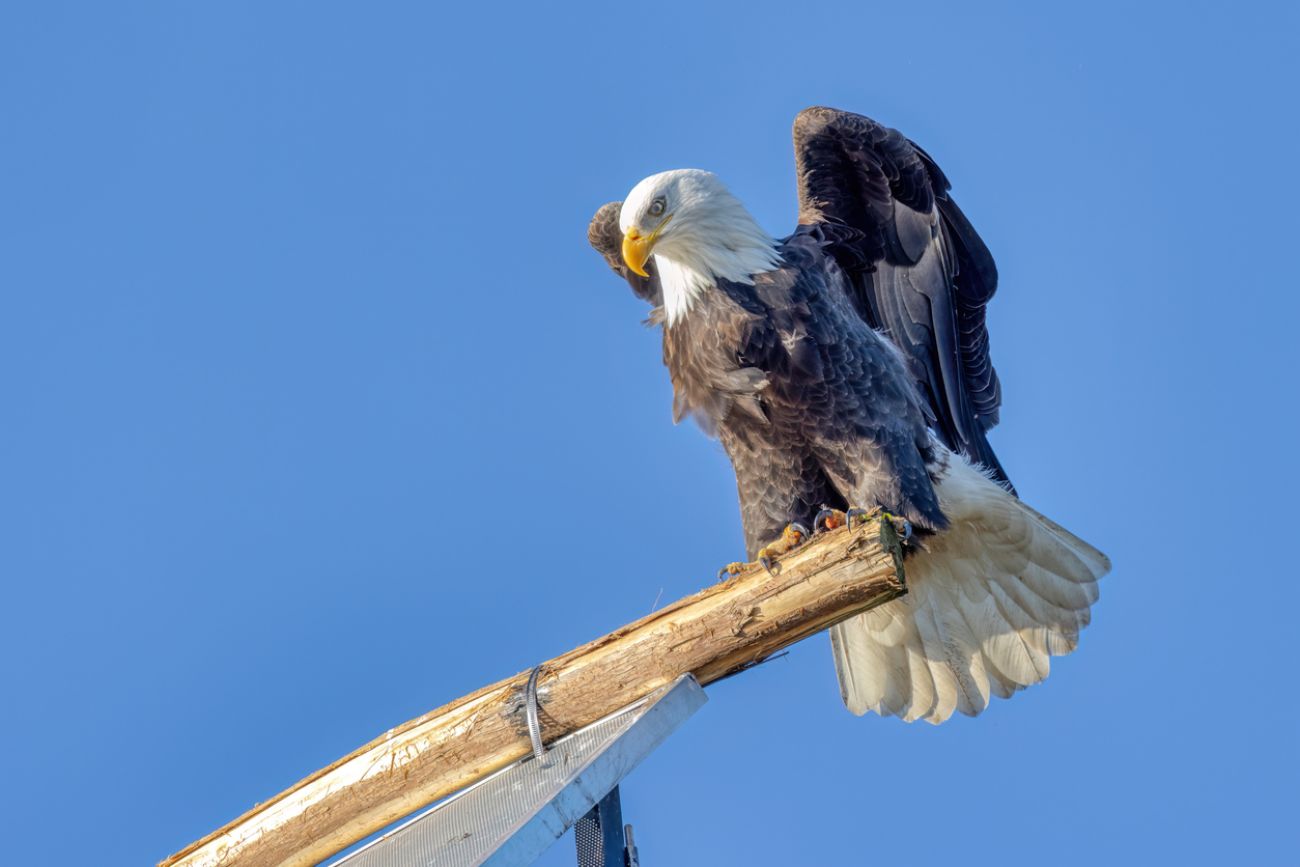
[(920, 272), (606, 238)]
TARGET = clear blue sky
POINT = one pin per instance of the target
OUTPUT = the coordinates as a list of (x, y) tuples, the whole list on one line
[(298, 319)]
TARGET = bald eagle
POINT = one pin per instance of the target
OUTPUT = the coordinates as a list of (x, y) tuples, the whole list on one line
[(847, 366)]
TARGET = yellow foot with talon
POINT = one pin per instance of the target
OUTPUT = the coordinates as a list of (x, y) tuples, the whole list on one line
[(828, 519), (792, 536), (833, 519)]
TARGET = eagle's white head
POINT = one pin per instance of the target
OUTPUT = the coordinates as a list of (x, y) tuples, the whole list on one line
[(697, 232)]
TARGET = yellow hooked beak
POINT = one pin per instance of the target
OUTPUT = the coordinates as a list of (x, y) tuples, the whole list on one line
[(637, 247)]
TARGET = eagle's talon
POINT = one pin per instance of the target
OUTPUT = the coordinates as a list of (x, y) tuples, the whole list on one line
[(827, 520), (794, 535), (902, 526), (863, 515), (730, 570)]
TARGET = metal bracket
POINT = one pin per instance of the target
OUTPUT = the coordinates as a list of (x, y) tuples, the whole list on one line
[(530, 713), (513, 816)]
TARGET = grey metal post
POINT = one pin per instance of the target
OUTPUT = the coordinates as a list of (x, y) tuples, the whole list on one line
[(599, 834)]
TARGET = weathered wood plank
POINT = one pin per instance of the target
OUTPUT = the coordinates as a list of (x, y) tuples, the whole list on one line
[(718, 631)]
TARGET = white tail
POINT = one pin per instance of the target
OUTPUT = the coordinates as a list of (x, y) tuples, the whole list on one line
[(990, 600)]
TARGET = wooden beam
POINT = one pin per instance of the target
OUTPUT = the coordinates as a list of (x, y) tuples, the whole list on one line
[(721, 630)]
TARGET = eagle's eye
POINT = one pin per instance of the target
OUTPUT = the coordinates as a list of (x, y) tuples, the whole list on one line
[(657, 207)]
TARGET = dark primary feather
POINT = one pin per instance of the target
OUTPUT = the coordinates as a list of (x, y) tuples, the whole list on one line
[(919, 271)]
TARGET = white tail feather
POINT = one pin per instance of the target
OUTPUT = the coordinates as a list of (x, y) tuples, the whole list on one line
[(990, 601)]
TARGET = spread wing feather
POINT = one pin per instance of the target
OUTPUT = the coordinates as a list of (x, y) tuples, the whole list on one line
[(920, 273)]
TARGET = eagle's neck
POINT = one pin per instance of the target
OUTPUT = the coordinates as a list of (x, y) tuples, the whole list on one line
[(689, 265), (682, 284)]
